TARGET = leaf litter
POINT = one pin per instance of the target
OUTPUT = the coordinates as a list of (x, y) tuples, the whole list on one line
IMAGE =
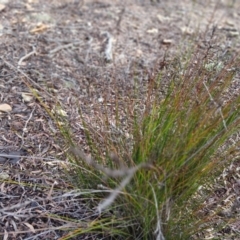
[(67, 47)]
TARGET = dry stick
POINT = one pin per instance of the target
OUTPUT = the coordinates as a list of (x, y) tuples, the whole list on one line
[(25, 126), (19, 205), (41, 158), (63, 47), (26, 76), (65, 226), (26, 57), (77, 193), (36, 236), (108, 55), (72, 194), (51, 191), (17, 215), (219, 109)]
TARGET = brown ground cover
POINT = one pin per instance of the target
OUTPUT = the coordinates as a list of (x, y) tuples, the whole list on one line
[(84, 54)]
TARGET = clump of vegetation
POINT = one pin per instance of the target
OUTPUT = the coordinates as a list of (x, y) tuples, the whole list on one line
[(148, 188)]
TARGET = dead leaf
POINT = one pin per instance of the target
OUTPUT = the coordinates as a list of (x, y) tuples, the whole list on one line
[(5, 107), (229, 23), (167, 41), (61, 112), (29, 7), (187, 30), (152, 30), (39, 28), (233, 34), (36, 172), (30, 227), (139, 53), (162, 18), (27, 97), (60, 123)]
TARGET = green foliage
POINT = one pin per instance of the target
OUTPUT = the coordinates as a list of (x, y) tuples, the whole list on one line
[(180, 138), (179, 141)]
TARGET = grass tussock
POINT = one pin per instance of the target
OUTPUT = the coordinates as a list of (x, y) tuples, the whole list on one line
[(178, 144)]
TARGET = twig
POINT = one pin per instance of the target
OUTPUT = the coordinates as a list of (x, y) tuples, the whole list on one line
[(38, 235), (26, 57), (108, 55), (19, 205), (25, 126), (52, 160), (63, 47), (65, 226), (49, 196)]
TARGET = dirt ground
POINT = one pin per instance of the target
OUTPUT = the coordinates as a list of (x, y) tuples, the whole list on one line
[(81, 54)]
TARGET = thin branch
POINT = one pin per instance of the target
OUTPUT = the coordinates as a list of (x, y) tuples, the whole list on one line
[(25, 126), (52, 160), (26, 57), (69, 45), (108, 55), (19, 205)]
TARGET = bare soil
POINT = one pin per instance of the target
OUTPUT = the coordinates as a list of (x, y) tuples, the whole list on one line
[(83, 54)]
